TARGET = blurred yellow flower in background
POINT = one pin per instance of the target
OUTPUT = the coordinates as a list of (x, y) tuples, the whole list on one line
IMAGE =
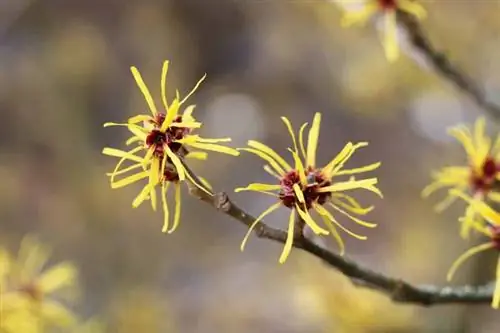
[(359, 12), (331, 300), (491, 230), (305, 186), (477, 177), (31, 297), (165, 138), (138, 309)]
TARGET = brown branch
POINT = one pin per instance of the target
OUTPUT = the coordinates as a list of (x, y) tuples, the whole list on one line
[(444, 67), (397, 289)]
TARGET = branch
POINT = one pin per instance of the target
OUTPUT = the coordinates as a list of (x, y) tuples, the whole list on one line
[(397, 289), (443, 65)]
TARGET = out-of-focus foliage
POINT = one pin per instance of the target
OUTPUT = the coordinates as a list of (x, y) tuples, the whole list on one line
[(345, 308), (32, 296)]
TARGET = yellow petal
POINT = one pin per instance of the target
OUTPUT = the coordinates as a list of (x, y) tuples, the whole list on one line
[(163, 84), (481, 141), (205, 183), (152, 194), (359, 16), (196, 180), (494, 196), (144, 89), (312, 140), (188, 112), (212, 140), (270, 171), (467, 221), (172, 112), (338, 162), (129, 155), (257, 220), (322, 211), (290, 131), (259, 187), (298, 193), (269, 151), (123, 159), (132, 139), (413, 8), (197, 155), (463, 136), (59, 276), (299, 167), (469, 253), (177, 163), (301, 141), (365, 168), (447, 202), (197, 85), (139, 118), (486, 211), (215, 147), (391, 36), (334, 233), (186, 124), (56, 314), (496, 294), (355, 219), (267, 158), (138, 131), (304, 215), (143, 195), (130, 179), (289, 239), (31, 258), (367, 184), (166, 214), (351, 205), (177, 214)]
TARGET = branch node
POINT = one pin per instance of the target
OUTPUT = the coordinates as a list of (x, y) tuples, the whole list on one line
[(222, 202)]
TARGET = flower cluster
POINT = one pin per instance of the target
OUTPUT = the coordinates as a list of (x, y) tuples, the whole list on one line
[(477, 184), (478, 177), (165, 138), (490, 229), (361, 11), (34, 299), (305, 186)]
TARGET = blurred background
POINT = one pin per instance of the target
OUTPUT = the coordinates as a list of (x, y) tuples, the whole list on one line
[(64, 71)]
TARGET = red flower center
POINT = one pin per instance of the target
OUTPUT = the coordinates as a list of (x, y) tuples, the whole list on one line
[(315, 181), (159, 139), (32, 291), (170, 174), (387, 4), (484, 180), (495, 238)]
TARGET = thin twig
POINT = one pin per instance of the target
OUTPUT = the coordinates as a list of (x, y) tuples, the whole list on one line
[(397, 289), (444, 66)]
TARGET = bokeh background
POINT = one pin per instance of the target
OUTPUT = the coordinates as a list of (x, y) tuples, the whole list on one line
[(64, 71)]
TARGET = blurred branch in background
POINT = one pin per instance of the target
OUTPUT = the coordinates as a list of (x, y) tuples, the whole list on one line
[(444, 66), (398, 290)]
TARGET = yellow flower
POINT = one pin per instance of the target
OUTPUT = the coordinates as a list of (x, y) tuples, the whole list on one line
[(388, 9), (305, 187), (165, 138), (490, 230), (30, 292), (478, 177)]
